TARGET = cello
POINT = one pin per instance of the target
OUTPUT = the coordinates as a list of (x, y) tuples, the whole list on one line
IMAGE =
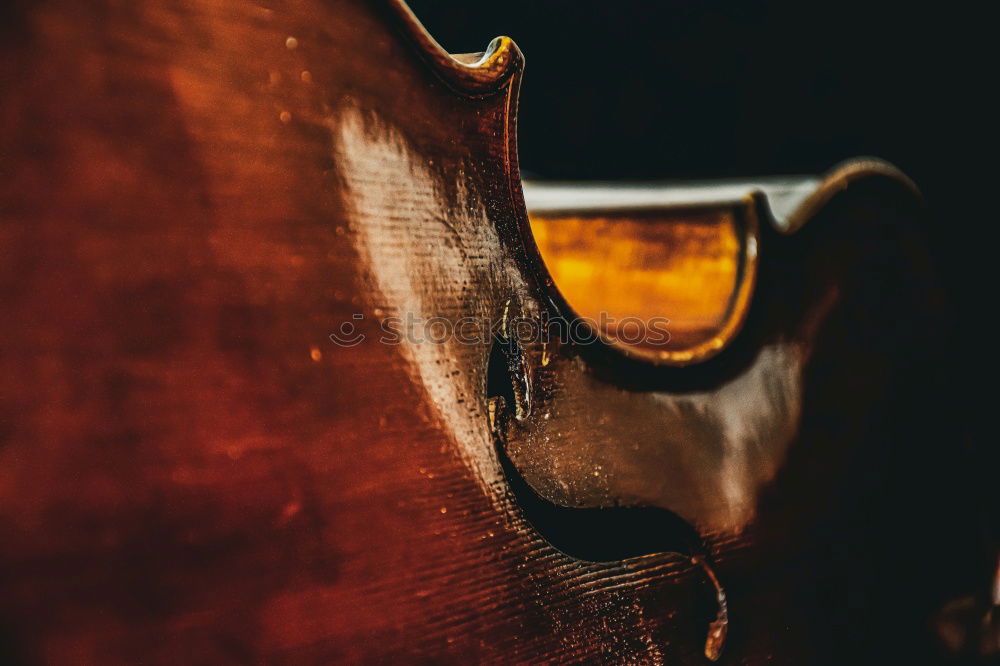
[(266, 396)]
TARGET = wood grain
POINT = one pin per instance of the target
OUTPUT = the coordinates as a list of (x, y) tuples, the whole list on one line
[(195, 196)]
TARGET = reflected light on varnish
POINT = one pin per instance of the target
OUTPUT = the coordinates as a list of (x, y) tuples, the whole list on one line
[(684, 265)]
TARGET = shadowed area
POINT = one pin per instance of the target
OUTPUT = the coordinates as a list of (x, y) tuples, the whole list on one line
[(602, 534)]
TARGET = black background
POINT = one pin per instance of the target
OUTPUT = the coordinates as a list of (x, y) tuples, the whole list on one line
[(671, 89)]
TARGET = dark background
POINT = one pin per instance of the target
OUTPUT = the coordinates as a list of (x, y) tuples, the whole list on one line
[(667, 90), (672, 89)]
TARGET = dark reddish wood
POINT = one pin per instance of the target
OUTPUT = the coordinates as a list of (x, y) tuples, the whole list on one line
[(194, 197)]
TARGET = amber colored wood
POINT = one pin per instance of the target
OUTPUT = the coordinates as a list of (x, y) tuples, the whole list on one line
[(628, 271), (195, 196)]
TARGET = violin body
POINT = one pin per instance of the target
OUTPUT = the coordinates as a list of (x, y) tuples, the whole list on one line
[(209, 455)]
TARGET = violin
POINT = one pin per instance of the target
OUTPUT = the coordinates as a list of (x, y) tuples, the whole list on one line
[(296, 370)]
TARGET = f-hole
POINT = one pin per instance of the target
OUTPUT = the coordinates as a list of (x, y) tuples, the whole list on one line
[(592, 534)]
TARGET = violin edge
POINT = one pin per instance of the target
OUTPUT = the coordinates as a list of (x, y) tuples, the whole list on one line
[(471, 75)]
